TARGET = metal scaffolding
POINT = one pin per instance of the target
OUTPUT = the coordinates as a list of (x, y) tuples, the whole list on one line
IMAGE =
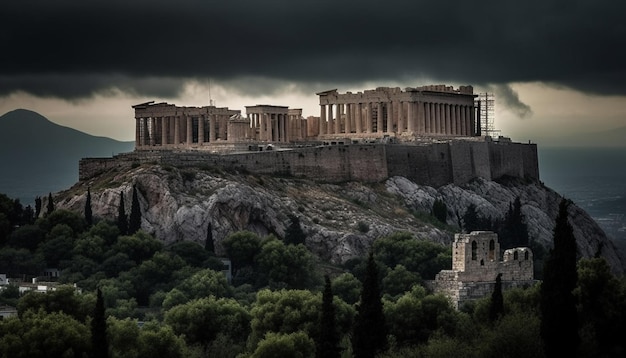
[(487, 114)]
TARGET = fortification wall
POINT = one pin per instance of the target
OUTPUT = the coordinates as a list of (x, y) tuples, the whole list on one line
[(423, 164), (513, 159), (434, 164)]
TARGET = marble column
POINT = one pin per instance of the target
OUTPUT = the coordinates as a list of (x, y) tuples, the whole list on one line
[(447, 130), (200, 129), (358, 120), (275, 126), (348, 125), (379, 117), (421, 126), (409, 117), (369, 118), (401, 117), (330, 127), (189, 127), (212, 134), (322, 119), (474, 124), (137, 132), (426, 117), (163, 131), (338, 119)]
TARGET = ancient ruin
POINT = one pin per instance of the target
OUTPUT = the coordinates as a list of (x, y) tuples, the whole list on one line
[(440, 111), (429, 134), (476, 264)]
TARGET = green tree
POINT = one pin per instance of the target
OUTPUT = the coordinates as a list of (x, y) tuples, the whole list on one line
[(347, 287), (15, 262), (242, 247), (50, 206), (369, 335), (399, 280), (209, 245), (291, 266), (37, 206), (201, 320), (602, 309), (284, 345), (206, 283), (496, 306), (514, 335), (514, 232), (559, 321), (192, 252), (99, 342), (58, 247), (26, 237), (419, 256), (63, 216), (139, 246), (327, 342), (122, 220), (440, 210), (134, 220), (37, 334), (286, 311), (473, 221), (88, 213), (127, 340), (63, 299), (294, 234)]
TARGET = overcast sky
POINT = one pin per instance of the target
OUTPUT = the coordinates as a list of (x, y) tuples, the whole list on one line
[(556, 67)]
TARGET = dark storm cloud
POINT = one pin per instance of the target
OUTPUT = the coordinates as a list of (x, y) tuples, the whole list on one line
[(73, 49)]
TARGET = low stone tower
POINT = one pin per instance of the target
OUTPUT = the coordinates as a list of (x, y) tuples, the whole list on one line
[(476, 264)]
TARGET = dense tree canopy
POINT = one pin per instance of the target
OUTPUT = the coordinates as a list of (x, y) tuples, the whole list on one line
[(173, 301)]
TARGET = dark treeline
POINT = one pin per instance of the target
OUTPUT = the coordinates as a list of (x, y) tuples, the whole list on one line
[(139, 297)]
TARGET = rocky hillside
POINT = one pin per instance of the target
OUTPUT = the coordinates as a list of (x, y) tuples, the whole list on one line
[(341, 220)]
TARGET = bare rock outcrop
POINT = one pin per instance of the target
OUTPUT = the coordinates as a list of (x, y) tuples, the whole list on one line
[(340, 220)]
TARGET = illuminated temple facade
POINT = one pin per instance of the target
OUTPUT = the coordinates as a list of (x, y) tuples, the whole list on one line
[(385, 112)]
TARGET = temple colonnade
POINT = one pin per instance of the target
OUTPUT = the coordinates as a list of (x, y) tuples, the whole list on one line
[(423, 111)]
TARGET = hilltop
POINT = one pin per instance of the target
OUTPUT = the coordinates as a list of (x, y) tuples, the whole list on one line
[(340, 220)]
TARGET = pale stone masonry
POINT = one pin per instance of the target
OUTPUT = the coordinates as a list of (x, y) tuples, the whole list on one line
[(428, 110), (435, 111), (476, 264)]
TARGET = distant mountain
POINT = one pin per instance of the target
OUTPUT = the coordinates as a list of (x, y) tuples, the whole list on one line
[(38, 156)]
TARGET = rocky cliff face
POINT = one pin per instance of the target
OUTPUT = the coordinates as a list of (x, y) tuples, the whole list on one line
[(341, 220)]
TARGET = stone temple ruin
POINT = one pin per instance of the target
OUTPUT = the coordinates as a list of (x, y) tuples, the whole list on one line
[(384, 112), (475, 265), (429, 134)]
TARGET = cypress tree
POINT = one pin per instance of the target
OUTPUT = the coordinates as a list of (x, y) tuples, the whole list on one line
[(328, 341), (134, 221), (514, 233), (50, 207), (369, 335), (440, 210), (559, 321), (99, 343), (88, 213), (122, 220), (209, 245), (294, 234), (37, 206), (496, 306)]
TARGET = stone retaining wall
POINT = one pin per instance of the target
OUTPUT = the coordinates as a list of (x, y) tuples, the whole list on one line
[(433, 164)]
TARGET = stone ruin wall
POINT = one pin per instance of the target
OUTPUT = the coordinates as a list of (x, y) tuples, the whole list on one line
[(476, 264), (434, 164)]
